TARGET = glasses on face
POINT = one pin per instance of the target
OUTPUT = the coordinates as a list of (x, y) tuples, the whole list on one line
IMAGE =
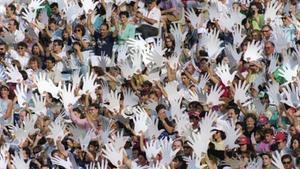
[(286, 162), (265, 30)]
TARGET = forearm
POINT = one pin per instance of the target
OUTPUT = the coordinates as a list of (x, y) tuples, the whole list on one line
[(168, 11)]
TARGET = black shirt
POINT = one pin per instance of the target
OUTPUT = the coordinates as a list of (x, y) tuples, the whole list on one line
[(104, 44)]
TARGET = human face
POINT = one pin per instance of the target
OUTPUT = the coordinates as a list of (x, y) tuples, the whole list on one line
[(266, 160), (78, 31), (169, 43), (295, 144), (269, 49), (103, 30), (177, 145), (281, 144), (266, 32), (287, 163), (93, 110), (11, 26), (4, 92), (21, 50), (231, 114), (250, 122), (2, 50), (151, 5), (36, 50), (243, 147), (56, 47), (185, 80), (49, 64), (124, 19), (268, 137)]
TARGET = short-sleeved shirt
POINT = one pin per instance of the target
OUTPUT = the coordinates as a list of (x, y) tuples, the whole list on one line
[(104, 44), (168, 4), (154, 14)]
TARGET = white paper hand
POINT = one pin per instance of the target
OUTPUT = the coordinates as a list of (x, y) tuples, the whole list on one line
[(276, 160), (68, 96), (288, 72), (178, 36), (35, 5), (72, 11), (3, 161), (20, 134), (281, 39), (233, 55), (119, 140), (114, 102), (290, 96), (122, 53), (253, 52), (103, 165), (106, 132), (29, 125), (256, 163), (240, 93), (89, 5), (167, 152), (22, 94), (171, 90), (238, 37), (271, 10), (152, 131), (196, 21), (232, 134), (273, 93), (183, 125), (57, 129), (141, 120), (45, 84), (76, 78), (130, 99), (273, 64), (113, 155), (127, 69), (14, 75), (89, 84), (156, 55), (19, 163), (28, 15), (223, 71), (213, 98), (62, 162), (152, 148), (236, 16), (192, 161), (39, 105), (213, 11), (176, 109), (213, 45), (203, 80), (85, 141)]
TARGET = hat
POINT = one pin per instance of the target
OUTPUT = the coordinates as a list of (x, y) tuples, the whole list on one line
[(263, 120), (280, 136), (243, 140)]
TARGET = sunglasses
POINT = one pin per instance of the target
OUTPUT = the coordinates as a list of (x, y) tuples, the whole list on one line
[(286, 162)]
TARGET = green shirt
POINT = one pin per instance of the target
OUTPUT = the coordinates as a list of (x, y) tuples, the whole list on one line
[(125, 34), (257, 24)]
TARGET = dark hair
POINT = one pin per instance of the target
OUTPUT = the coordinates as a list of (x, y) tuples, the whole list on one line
[(95, 105), (296, 137), (12, 7), (251, 115), (54, 4), (22, 44), (159, 107), (52, 20), (50, 58), (268, 131), (267, 26), (286, 156), (15, 23), (105, 24), (27, 151), (125, 13), (59, 42), (81, 27)]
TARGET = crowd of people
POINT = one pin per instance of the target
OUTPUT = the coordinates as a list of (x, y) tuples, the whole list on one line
[(150, 84)]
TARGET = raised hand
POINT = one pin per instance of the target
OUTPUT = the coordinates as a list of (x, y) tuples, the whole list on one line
[(223, 71), (233, 55), (29, 15), (288, 72), (152, 131), (156, 55), (167, 152), (89, 83), (29, 125), (183, 125), (113, 155), (276, 160), (240, 93), (176, 109), (232, 134), (196, 21), (203, 80), (14, 75), (178, 36), (290, 96), (281, 39), (76, 78), (89, 5), (67, 96), (35, 5), (57, 129), (130, 99), (238, 37), (114, 102), (271, 10), (22, 94), (213, 45), (39, 105), (152, 148), (171, 89), (72, 11), (141, 120), (119, 140), (253, 52), (273, 93), (192, 161), (62, 162), (85, 141), (213, 98), (19, 162)]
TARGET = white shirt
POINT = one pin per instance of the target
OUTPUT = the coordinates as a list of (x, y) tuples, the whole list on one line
[(22, 59), (155, 14)]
